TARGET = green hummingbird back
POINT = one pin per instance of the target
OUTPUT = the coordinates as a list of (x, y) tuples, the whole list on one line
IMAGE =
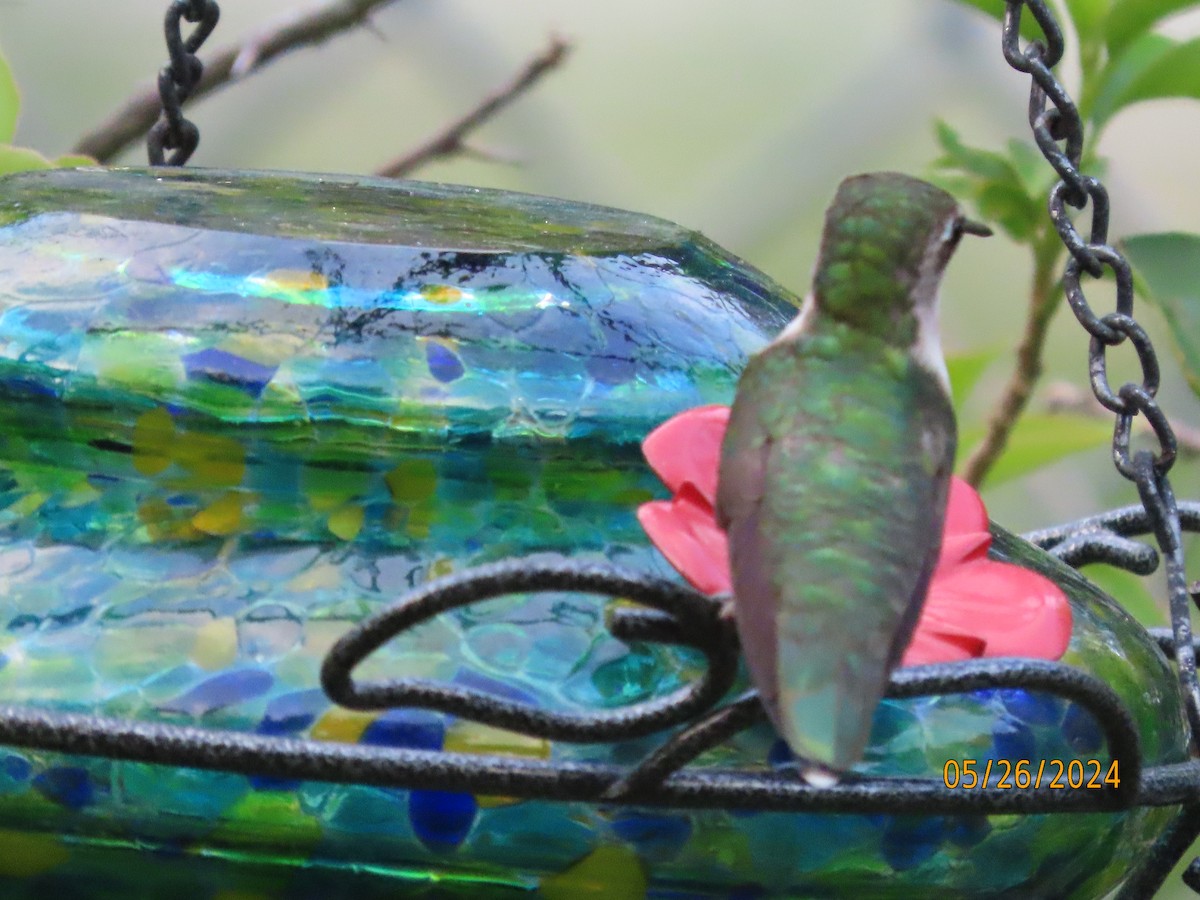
[(833, 489)]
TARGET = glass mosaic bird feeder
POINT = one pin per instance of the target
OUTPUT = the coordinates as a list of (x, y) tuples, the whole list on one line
[(245, 411), (346, 534)]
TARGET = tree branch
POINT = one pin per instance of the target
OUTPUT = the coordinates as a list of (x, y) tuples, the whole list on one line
[(451, 139), (129, 123), (1066, 397)]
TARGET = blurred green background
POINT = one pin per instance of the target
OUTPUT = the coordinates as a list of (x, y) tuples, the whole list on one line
[(737, 119)]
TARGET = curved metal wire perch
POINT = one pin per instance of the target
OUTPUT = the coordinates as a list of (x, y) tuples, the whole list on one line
[(250, 754), (684, 616), (1165, 638), (1106, 538), (697, 621), (658, 780)]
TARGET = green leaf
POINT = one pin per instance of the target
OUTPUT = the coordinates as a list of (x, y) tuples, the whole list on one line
[(1030, 166), (1130, 19), (1042, 439), (1152, 66), (966, 369), (1088, 16), (10, 103), (952, 182), (994, 182), (1167, 265), (981, 163), (74, 160), (1130, 591), (1017, 212), (995, 9), (18, 159)]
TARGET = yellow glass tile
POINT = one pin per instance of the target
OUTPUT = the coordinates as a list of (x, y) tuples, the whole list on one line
[(346, 522), (23, 855), (153, 434), (345, 725), (212, 460), (215, 646), (471, 737), (441, 293), (221, 517), (295, 280), (610, 872)]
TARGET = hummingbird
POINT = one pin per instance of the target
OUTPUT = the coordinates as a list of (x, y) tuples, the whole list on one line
[(835, 470)]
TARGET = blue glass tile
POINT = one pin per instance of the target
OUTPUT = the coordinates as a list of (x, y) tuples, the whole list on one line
[(444, 364), (909, 841), (14, 767), (441, 820), (68, 785), (655, 837), (1033, 707), (228, 368), (411, 729), (1082, 731), (1014, 742), (221, 690)]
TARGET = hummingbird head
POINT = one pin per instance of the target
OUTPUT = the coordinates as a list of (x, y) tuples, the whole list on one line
[(886, 242)]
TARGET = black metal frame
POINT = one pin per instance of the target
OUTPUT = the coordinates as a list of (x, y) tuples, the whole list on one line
[(691, 619), (674, 614)]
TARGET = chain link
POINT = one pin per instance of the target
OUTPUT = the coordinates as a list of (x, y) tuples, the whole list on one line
[(177, 81), (1058, 131)]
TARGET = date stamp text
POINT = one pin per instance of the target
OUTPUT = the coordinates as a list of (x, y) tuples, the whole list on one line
[(1025, 774)]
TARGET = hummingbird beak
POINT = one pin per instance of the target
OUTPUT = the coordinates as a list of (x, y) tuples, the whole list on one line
[(970, 226)]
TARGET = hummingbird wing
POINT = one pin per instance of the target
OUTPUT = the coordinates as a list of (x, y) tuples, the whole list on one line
[(832, 491), (741, 485)]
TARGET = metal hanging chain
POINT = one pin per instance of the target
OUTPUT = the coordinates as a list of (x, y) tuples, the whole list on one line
[(177, 81), (1058, 131)]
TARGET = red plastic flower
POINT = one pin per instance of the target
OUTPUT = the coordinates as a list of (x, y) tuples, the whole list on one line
[(976, 606)]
